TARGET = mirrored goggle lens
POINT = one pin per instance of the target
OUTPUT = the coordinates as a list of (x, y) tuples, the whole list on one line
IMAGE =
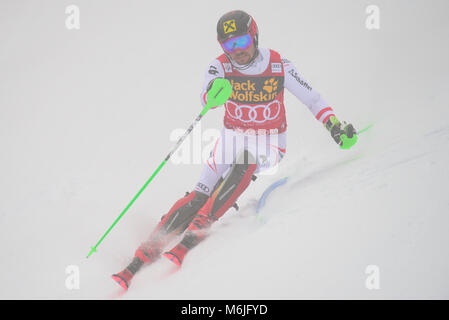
[(240, 42)]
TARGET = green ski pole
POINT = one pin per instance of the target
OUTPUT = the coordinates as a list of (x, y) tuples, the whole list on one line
[(217, 95)]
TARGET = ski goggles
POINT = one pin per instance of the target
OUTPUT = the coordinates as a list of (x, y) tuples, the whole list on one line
[(241, 42)]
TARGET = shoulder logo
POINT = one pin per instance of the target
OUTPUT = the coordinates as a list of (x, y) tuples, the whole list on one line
[(227, 67), (276, 67), (229, 26)]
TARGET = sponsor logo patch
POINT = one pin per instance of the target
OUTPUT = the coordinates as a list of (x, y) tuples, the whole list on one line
[(270, 85), (255, 90), (302, 82), (276, 67), (227, 67), (202, 187), (229, 26)]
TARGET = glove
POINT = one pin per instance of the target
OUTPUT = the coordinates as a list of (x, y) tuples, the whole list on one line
[(209, 85), (218, 91), (344, 134)]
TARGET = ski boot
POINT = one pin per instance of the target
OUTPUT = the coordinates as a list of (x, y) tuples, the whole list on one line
[(124, 277)]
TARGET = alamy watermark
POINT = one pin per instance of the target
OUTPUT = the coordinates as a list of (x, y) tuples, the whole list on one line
[(372, 282), (72, 282), (215, 147), (72, 20), (372, 21)]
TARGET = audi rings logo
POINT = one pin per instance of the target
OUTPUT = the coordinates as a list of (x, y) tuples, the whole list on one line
[(259, 113), (203, 187)]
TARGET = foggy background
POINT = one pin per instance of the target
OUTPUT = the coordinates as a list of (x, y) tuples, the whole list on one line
[(86, 116)]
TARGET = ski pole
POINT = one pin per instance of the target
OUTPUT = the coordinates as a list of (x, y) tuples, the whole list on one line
[(217, 95), (365, 129)]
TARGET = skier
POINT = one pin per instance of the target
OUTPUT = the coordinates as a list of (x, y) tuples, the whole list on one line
[(254, 121)]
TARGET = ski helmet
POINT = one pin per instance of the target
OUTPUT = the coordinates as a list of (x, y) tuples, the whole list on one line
[(237, 23)]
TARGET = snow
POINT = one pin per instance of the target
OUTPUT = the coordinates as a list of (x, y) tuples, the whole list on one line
[(86, 115)]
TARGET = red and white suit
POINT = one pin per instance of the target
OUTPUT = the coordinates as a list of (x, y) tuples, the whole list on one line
[(255, 116)]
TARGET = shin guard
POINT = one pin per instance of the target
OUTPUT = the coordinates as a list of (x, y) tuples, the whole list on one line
[(173, 223)]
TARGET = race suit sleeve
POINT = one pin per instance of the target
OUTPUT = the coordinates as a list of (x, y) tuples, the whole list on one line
[(214, 70), (296, 84)]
